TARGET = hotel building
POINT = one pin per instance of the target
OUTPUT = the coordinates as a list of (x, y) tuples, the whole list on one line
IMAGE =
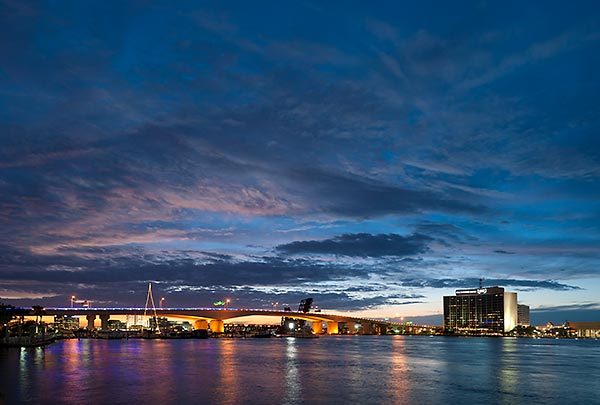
[(482, 309)]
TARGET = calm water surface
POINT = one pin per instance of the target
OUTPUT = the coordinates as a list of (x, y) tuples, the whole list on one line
[(361, 369)]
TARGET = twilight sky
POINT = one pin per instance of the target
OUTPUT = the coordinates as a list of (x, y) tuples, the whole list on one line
[(373, 156)]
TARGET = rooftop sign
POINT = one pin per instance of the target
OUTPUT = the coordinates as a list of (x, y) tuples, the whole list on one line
[(474, 291)]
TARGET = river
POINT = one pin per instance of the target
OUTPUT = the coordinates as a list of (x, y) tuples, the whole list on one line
[(331, 369)]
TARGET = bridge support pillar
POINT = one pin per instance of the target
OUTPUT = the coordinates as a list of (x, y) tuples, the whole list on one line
[(382, 329), (332, 328), (90, 321), (217, 326), (367, 328), (317, 327), (201, 324), (104, 321), (352, 328)]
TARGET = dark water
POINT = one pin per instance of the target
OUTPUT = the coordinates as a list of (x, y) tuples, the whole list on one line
[(361, 369)]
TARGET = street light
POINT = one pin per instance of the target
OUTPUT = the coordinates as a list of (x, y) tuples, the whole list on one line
[(72, 301), (161, 302), (227, 301)]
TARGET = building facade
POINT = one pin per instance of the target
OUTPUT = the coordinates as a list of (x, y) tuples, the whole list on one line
[(66, 322), (523, 315), (490, 310), (115, 324), (585, 329)]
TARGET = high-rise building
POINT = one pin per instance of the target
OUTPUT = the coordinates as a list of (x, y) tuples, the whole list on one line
[(482, 309), (523, 315)]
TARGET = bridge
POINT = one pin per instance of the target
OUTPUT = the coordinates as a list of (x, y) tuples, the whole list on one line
[(214, 318)]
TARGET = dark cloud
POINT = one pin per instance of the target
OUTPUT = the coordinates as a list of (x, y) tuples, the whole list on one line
[(570, 307), (194, 268), (182, 295), (189, 276), (358, 196), (558, 314), (473, 282), (445, 233), (188, 281), (361, 244), (504, 252)]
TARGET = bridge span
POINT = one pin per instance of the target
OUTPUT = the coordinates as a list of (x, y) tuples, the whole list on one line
[(214, 318)]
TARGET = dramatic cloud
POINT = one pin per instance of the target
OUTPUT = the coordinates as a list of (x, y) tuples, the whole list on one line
[(369, 158), (112, 275)]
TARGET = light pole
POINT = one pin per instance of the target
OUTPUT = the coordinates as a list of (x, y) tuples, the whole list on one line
[(72, 301), (162, 300), (227, 301)]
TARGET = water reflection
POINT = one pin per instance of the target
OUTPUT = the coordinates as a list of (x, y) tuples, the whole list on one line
[(399, 382), (72, 365), (508, 375), (228, 382), (293, 387), (23, 371), (162, 363), (327, 370)]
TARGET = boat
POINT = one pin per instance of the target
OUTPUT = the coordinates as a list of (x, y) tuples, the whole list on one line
[(27, 341), (148, 334), (299, 335), (200, 334), (262, 335), (112, 334)]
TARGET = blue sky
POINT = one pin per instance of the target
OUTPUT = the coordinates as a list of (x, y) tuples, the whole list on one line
[(373, 156)]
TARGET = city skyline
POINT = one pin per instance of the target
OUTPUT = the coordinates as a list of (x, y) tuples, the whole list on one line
[(374, 157)]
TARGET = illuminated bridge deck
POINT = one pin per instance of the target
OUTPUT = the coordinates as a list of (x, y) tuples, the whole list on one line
[(222, 314)]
